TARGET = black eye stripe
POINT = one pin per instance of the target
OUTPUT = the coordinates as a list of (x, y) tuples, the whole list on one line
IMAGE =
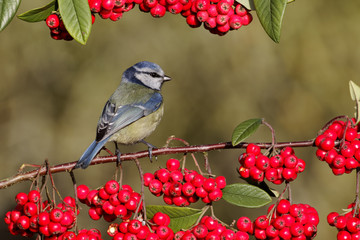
[(152, 74)]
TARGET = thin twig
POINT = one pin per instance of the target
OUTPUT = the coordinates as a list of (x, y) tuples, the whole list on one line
[(142, 154)]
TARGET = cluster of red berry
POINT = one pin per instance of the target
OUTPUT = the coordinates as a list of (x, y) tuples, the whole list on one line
[(31, 216), (345, 157), (288, 221), (276, 169), (134, 229), (57, 27), (218, 16), (348, 224), (110, 201), (210, 229), (83, 234), (182, 189)]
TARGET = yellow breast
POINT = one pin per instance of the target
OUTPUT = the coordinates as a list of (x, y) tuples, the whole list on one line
[(140, 129)]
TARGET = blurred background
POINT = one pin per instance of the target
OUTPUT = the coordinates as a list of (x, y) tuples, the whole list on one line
[(52, 93)]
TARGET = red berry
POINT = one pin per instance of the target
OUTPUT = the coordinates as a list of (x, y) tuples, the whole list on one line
[(103, 194), (202, 16), (108, 4), (209, 184), (54, 228), (297, 229), (289, 174), (200, 231), (192, 21), (56, 215), (34, 196), (188, 189), (147, 178), (172, 164), (276, 161), (340, 222), (215, 195), (240, 10), (112, 187), (223, 7), (327, 144), (256, 174), (353, 225), (244, 224), (283, 206), (134, 226), (131, 204), (150, 3), (222, 19), (201, 192), (235, 21), (52, 21), (220, 182), (158, 11), (339, 161), (21, 198), (30, 209), (351, 134), (251, 148), (343, 235), (244, 172), (212, 11), (95, 5), (262, 162), (202, 5), (155, 186), (176, 176), (271, 174), (287, 151), (261, 222), (290, 161), (331, 217), (285, 233), (23, 222)]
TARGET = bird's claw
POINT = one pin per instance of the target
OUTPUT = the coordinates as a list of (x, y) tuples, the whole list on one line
[(150, 148)]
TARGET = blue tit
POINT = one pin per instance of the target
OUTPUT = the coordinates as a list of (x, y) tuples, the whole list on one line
[(132, 112)]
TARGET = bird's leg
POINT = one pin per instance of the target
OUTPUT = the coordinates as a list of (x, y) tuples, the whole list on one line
[(150, 148), (118, 154)]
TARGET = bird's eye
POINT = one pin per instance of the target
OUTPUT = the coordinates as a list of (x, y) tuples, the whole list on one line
[(155, 75)]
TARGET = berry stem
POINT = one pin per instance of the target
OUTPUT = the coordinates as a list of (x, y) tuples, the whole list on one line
[(76, 197), (142, 199), (356, 207)]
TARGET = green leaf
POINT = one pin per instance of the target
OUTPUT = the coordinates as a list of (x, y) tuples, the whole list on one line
[(8, 9), (249, 4), (355, 96), (244, 130), (181, 217), (270, 13), (38, 14), (245, 195), (76, 16)]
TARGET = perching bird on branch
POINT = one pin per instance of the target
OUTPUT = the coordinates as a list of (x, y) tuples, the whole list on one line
[(133, 111)]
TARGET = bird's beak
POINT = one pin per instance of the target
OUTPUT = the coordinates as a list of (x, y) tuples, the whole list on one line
[(167, 78)]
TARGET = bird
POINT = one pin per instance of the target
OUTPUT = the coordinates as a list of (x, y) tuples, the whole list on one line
[(132, 112)]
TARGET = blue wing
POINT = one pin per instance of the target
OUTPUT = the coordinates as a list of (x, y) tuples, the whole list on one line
[(113, 119)]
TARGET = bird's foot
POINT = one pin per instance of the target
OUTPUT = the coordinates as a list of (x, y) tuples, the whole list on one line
[(118, 155), (150, 148)]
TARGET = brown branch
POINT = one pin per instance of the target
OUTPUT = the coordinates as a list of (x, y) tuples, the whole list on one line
[(130, 156)]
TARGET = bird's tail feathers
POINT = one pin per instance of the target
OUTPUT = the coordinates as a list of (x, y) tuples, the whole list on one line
[(90, 154)]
